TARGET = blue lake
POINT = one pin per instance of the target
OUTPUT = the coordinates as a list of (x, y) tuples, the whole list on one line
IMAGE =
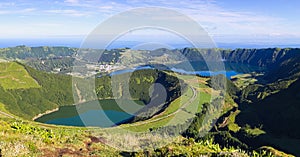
[(196, 68), (102, 113), (228, 74), (226, 68), (100, 118)]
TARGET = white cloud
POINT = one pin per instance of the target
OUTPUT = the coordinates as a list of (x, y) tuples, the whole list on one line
[(6, 4), (23, 11), (72, 1), (69, 12), (215, 19)]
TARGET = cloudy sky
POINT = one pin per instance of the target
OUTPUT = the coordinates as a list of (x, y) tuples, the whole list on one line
[(224, 20)]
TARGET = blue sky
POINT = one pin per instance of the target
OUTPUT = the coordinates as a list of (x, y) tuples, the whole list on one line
[(252, 21)]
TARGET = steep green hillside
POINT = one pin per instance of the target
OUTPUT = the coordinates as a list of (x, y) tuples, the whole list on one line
[(279, 63), (53, 91), (15, 76), (278, 115), (255, 92), (268, 109)]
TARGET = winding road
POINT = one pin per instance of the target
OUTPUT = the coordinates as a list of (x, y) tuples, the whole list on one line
[(169, 115)]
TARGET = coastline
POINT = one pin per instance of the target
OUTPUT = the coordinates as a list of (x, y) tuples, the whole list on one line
[(42, 114)]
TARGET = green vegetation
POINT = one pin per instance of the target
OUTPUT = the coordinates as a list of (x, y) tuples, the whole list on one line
[(229, 121), (244, 80), (259, 114), (253, 131), (58, 65), (279, 120), (53, 91), (220, 82), (2, 107), (56, 90), (179, 110), (257, 92), (23, 52), (15, 76), (176, 104), (139, 84), (21, 138)]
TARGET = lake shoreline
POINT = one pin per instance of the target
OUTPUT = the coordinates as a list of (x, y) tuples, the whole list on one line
[(45, 113), (88, 114)]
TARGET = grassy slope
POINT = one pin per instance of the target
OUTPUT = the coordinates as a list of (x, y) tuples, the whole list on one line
[(14, 76), (203, 95), (21, 138), (40, 93), (2, 107), (280, 122)]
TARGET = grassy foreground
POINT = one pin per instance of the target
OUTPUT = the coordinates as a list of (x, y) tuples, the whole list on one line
[(22, 138)]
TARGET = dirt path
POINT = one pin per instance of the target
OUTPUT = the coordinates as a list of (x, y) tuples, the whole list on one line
[(78, 94), (6, 114)]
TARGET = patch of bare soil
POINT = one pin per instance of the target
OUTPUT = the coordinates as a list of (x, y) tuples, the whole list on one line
[(59, 152)]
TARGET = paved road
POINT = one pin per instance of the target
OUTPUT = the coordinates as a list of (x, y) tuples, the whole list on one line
[(171, 114)]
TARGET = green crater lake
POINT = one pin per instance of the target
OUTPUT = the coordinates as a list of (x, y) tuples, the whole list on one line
[(99, 113)]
